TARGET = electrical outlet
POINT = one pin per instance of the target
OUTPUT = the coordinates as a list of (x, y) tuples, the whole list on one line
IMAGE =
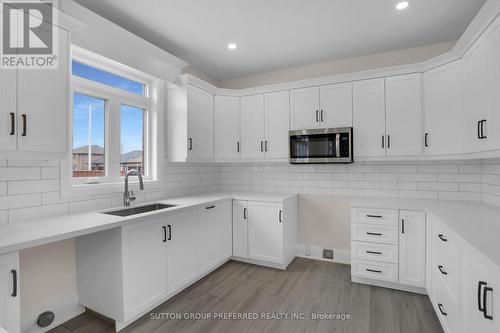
[(327, 254)]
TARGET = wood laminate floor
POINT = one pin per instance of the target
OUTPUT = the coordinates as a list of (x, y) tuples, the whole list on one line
[(306, 287)]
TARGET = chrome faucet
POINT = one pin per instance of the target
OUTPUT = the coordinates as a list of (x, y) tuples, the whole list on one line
[(129, 195)]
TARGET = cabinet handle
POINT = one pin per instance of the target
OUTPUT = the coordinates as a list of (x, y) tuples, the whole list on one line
[(245, 213), (265, 145), (317, 116), (441, 237), (321, 115), (426, 139), (482, 129), (209, 207), (281, 216), (373, 252), (14, 283), (485, 304), (238, 147), (479, 130), (402, 226), (164, 234), (440, 267), (373, 271), (441, 310), (388, 141), (374, 234), (190, 144), (480, 284), (24, 124), (12, 123), (383, 138), (262, 146), (374, 216), (169, 232)]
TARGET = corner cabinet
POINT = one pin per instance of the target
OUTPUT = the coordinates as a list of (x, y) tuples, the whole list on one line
[(125, 272), (10, 309), (265, 233), (190, 124), (34, 106)]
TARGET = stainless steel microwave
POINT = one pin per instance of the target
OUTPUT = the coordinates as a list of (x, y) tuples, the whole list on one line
[(321, 145)]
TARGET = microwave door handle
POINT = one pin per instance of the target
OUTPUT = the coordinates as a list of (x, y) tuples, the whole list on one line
[(337, 145)]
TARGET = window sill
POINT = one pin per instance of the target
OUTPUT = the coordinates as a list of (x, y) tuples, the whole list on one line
[(84, 189)]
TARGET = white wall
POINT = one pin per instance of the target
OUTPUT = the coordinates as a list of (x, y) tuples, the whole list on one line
[(380, 60)]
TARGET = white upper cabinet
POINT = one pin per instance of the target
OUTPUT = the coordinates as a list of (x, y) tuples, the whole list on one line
[(277, 109), (443, 105), (304, 111), (475, 96), (369, 118), (412, 248), (8, 109), (493, 80), (336, 105), (321, 107), (403, 115), (252, 126), (227, 127), (200, 128)]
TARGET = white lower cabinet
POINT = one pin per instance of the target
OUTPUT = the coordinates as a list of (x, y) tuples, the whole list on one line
[(265, 232), (10, 309), (388, 248), (124, 272)]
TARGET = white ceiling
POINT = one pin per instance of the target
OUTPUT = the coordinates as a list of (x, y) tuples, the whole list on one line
[(277, 34)]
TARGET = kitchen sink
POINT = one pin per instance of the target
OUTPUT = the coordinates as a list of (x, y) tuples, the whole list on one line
[(139, 209)]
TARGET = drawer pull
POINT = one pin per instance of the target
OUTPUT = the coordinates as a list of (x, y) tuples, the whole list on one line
[(374, 216), (374, 233), (209, 207), (441, 237), (442, 270), (373, 271), (441, 309), (373, 252)]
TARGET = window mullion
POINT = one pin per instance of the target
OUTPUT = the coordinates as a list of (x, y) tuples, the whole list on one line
[(113, 127)]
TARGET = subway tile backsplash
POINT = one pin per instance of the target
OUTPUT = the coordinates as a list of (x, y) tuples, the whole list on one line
[(30, 189)]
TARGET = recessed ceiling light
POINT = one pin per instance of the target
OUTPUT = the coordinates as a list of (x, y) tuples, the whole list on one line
[(232, 46), (402, 5)]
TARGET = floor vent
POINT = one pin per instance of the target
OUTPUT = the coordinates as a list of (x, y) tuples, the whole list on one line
[(327, 254)]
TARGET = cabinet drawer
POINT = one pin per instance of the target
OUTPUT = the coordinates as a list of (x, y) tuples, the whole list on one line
[(446, 308), (376, 252), (446, 241), (448, 271), (374, 270), (374, 233), (376, 216)]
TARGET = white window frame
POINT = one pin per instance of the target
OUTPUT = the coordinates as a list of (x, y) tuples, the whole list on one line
[(114, 97)]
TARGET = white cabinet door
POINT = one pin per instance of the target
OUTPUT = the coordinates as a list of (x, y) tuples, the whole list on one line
[(404, 115), (443, 100), (240, 228), (265, 232), (493, 120), (277, 106), (336, 105), (200, 123), (412, 248), (181, 250), (209, 238), (480, 292), (226, 225), (252, 126), (43, 105), (304, 112), (10, 309), (369, 118), (227, 127), (475, 95), (144, 265), (8, 109)]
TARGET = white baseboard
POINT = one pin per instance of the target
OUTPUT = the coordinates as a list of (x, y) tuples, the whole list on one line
[(340, 256), (63, 313)]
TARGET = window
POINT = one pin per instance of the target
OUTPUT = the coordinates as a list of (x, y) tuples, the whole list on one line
[(114, 122)]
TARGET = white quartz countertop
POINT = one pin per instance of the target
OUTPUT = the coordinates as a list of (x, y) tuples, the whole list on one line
[(476, 223), (18, 236)]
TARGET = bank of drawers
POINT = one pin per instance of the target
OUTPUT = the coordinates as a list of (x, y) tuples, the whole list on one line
[(374, 245)]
